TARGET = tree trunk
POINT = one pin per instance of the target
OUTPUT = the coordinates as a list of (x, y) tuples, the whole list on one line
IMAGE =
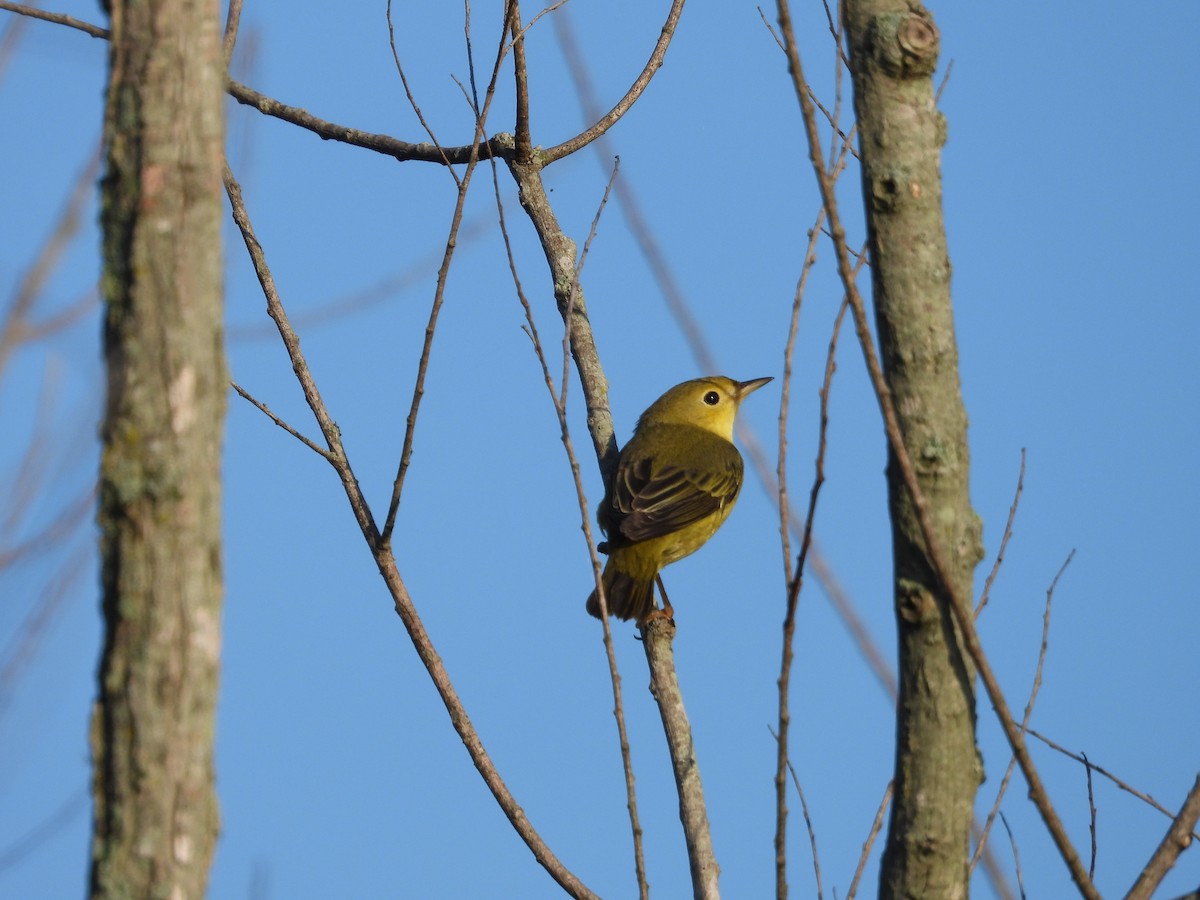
[(893, 53), (156, 818)]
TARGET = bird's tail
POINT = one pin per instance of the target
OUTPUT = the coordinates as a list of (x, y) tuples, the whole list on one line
[(628, 596)]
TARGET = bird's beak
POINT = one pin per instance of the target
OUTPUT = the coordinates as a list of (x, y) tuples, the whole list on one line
[(745, 388)]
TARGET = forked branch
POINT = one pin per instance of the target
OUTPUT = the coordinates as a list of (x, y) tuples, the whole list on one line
[(386, 564)]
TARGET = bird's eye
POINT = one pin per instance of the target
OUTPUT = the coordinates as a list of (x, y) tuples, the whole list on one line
[(712, 398)]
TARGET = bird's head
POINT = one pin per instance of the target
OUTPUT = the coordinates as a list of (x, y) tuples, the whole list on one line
[(708, 403)]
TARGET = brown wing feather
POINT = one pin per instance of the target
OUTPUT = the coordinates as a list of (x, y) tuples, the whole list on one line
[(651, 497)]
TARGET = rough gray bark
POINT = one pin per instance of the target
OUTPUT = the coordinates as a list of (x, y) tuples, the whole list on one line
[(156, 818), (893, 53)]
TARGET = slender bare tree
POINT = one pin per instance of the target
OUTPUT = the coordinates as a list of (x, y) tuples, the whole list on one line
[(893, 54), (155, 803)]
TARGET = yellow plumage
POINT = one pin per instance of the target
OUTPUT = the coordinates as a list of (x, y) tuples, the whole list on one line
[(676, 482)]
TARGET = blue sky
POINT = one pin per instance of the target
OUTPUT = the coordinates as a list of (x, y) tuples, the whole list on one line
[(1070, 190)]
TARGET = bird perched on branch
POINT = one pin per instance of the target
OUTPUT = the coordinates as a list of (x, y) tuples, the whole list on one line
[(676, 482)]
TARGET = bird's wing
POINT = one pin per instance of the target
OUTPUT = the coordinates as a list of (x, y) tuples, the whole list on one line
[(649, 503)]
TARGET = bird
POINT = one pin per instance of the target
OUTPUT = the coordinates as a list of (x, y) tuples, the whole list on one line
[(675, 484)]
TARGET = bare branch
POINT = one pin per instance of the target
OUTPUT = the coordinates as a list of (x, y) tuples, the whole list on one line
[(1175, 841), (232, 21), (331, 131), (657, 634), (566, 148), (522, 134), (57, 18), (559, 250), (631, 207), (291, 341)]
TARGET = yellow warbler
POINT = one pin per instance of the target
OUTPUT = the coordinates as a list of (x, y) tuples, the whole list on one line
[(676, 482)]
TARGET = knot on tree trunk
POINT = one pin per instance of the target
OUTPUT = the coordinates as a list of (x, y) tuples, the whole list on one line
[(905, 44)]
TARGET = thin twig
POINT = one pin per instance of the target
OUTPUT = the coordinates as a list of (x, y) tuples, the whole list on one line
[(1091, 816), (1012, 842), (439, 294), (290, 339), (876, 828), (583, 255), (385, 144), (937, 96), (834, 117), (794, 580), (1123, 785), (263, 408), (785, 394), (69, 518), (560, 253), (16, 327), (412, 101), (544, 11), (233, 20), (653, 64), (631, 207), (76, 804), (368, 296), (10, 40), (1008, 530), (812, 834), (981, 842), (835, 31), (470, 51), (23, 644)]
